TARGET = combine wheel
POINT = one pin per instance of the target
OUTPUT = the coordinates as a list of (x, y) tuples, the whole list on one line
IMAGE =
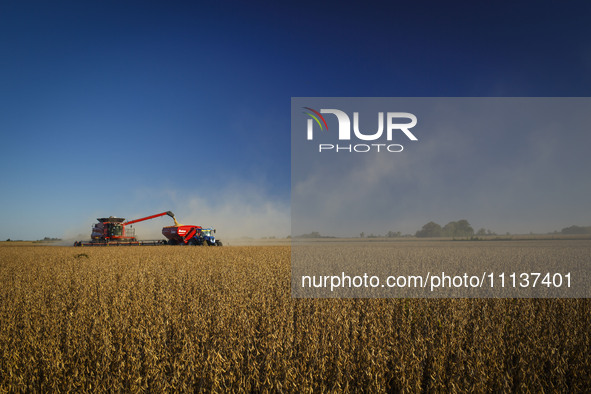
[(172, 242)]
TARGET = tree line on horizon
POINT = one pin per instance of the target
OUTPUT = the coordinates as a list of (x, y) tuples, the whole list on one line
[(576, 230), (460, 228)]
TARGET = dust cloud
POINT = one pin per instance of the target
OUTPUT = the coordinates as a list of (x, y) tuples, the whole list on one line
[(240, 213)]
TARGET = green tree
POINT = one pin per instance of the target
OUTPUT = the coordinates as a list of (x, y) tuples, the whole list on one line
[(576, 230), (450, 229), (430, 229), (463, 229)]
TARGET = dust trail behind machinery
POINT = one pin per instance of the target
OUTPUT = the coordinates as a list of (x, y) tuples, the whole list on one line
[(242, 217)]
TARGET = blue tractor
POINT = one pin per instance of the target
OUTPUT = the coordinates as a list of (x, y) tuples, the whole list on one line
[(205, 237)]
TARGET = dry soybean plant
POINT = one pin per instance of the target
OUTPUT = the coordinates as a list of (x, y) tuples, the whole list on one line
[(222, 319)]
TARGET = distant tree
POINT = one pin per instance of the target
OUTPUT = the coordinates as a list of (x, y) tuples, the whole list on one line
[(461, 228), (482, 231), (464, 229), (450, 229), (576, 230), (392, 234), (8, 240), (430, 229), (50, 239), (313, 234)]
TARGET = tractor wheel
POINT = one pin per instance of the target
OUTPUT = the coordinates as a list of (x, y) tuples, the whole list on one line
[(172, 242), (205, 243), (192, 242), (218, 243)]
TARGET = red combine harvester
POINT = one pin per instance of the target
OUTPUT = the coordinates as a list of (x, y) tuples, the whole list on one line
[(114, 231)]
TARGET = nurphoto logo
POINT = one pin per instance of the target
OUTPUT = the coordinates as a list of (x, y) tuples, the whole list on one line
[(393, 128)]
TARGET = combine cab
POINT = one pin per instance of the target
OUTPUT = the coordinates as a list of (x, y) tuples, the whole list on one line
[(112, 229)]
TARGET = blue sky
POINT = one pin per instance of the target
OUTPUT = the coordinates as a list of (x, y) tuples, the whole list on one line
[(133, 108)]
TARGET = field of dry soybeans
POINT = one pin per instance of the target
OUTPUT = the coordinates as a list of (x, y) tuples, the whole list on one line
[(222, 319)]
